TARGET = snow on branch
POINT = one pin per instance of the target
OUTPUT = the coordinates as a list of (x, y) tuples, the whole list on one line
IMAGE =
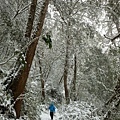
[(113, 38), (19, 11), (2, 63), (108, 89)]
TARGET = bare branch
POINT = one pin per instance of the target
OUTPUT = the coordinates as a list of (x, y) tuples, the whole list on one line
[(113, 38), (20, 11), (7, 60)]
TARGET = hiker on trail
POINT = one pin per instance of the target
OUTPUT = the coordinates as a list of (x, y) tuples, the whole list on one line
[(52, 110)]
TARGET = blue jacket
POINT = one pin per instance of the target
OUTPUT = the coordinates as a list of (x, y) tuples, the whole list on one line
[(52, 108)]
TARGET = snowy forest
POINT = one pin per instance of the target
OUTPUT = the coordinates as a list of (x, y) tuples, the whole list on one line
[(62, 51)]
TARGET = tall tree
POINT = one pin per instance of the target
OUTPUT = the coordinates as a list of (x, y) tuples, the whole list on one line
[(17, 84), (65, 75), (73, 86), (41, 77), (113, 13), (66, 17)]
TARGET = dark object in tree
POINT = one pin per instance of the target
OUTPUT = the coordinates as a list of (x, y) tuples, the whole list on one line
[(47, 40)]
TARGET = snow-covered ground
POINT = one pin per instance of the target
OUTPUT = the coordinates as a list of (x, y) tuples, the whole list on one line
[(73, 111), (46, 116)]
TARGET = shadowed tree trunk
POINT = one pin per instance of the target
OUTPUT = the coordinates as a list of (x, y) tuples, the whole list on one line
[(31, 18), (42, 83), (41, 78), (18, 84), (65, 75), (75, 73), (73, 86), (66, 66)]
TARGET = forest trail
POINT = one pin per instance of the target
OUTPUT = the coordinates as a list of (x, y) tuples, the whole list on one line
[(46, 116)]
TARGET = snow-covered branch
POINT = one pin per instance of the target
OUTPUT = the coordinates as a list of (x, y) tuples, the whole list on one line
[(113, 38)]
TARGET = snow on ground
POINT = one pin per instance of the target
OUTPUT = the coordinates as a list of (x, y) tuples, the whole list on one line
[(73, 111), (45, 116)]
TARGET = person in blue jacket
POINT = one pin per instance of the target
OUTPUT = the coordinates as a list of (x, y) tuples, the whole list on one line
[(52, 110)]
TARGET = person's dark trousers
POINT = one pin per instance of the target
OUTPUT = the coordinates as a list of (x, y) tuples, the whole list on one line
[(51, 115)]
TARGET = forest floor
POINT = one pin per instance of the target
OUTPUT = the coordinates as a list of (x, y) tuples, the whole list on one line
[(74, 111), (46, 116)]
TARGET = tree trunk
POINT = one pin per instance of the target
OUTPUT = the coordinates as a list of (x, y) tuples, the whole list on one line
[(75, 73), (66, 67), (18, 85), (31, 18), (73, 85), (42, 80)]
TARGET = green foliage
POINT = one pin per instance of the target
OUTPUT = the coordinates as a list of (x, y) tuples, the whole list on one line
[(47, 40)]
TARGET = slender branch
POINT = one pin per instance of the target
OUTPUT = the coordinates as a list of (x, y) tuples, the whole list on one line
[(14, 54), (7, 59), (111, 10), (20, 11), (60, 12), (61, 79), (113, 38)]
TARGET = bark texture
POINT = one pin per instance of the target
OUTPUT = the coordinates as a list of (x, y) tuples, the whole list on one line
[(75, 73), (42, 81), (65, 75), (18, 85), (31, 18)]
